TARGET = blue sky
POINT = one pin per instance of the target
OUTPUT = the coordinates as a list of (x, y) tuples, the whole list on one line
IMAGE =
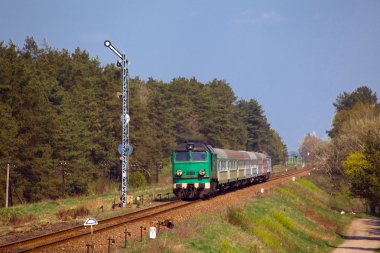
[(294, 57)]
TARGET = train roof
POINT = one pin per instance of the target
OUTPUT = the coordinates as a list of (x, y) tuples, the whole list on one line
[(233, 154), (221, 153)]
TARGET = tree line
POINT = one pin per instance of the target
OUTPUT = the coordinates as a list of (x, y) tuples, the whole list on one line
[(61, 121), (352, 153)]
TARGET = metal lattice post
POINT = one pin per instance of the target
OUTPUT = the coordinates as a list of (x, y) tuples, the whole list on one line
[(125, 143), (125, 120)]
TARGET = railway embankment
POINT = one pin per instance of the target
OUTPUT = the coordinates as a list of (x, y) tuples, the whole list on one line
[(289, 213), (296, 217)]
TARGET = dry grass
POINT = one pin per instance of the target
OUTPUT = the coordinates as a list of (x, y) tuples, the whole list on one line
[(320, 219), (317, 235), (236, 216), (16, 220), (73, 213)]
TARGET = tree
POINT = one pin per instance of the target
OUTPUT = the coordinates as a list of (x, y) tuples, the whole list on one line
[(352, 155), (363, 94), (257, 126), (9, 125), (308, 146), (137, 179), (362, 169), (277, 149), (225, 124), (346, 102)]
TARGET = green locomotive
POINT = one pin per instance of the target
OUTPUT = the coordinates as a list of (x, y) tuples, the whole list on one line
[(200, 170)]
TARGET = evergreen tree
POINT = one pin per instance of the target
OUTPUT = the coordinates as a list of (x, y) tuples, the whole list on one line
[(257, 126)]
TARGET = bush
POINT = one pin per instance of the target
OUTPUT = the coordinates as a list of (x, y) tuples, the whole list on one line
[(137, 179)]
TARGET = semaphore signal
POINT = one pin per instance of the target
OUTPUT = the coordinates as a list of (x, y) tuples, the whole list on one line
[(125, 147)]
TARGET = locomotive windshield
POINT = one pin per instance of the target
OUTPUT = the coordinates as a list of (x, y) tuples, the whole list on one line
[(198, 156), (182, 156)]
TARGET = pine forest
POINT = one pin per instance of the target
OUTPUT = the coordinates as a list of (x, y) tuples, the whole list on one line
[(60, 120)]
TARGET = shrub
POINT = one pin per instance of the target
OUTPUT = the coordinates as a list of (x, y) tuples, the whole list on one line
[(137, 179)]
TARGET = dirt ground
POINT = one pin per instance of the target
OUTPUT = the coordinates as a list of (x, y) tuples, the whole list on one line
[(363, 235)]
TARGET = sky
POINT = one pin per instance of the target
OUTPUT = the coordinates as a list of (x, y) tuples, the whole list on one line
[(293, 57)]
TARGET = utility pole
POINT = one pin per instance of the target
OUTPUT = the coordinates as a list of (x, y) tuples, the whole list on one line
[(62, 179), (126, 149), (7, 189)]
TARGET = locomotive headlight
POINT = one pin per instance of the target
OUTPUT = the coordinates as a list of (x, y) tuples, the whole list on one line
[(202, 172), (179, 173)]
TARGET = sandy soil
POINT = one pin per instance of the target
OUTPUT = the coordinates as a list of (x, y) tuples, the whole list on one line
[(363, 235)]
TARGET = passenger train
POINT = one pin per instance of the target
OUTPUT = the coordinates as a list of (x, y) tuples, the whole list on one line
[(199, 170)]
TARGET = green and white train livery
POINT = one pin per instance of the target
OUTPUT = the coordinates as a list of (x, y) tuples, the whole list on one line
[(200, 170)]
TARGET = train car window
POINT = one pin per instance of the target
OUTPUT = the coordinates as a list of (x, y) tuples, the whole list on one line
[(233, 165), (182, 156), (198, 156), (223, 165)]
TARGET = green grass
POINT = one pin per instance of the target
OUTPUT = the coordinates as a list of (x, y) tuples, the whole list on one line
[(45, 211), (294, 218)]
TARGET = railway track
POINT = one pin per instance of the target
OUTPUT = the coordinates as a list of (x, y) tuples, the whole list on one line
[(59, 237), (289, 173), (56, 238)]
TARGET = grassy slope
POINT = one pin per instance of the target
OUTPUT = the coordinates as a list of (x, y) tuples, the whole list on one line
[(293, 218)]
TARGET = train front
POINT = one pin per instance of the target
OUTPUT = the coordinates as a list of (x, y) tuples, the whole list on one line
[(191, 170)]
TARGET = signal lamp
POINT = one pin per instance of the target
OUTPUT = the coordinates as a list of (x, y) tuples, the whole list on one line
[(202, 172), (179, 173), (107, 43)]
